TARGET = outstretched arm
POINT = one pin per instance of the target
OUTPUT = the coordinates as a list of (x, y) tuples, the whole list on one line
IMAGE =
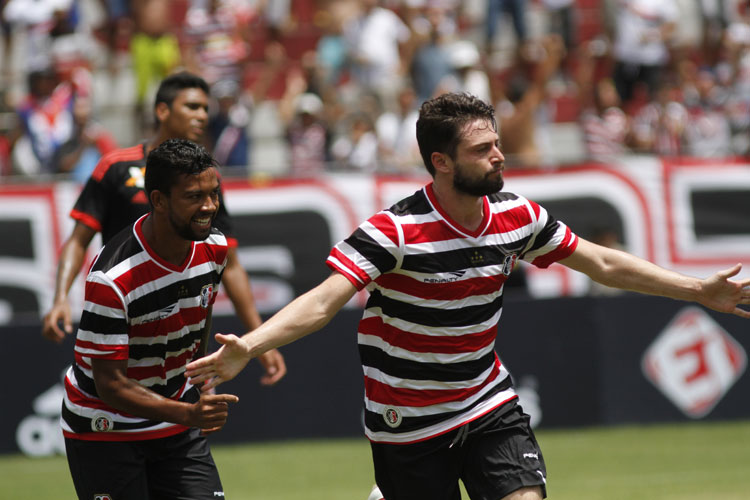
[(237, 285), (618, 269), (71, 260), (306, 314)]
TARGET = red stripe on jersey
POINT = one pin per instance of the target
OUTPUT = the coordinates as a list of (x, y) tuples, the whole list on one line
[(116, 351), (127, 436), (386, 226), (103, 295), (564, 249), (397, 396), (537, 209), (187, 316), (428, 232), (510, 220), (416, 342), (133, 153), (86, 220), (453, 290), (348, 265), (140, 275)]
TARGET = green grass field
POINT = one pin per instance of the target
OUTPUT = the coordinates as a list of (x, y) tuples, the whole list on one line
[(687, 462)]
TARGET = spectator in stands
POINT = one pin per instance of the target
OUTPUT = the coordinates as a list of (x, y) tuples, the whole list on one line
[(357, 149), (644, 30), (115, 30), (708, 133), (214, 46), (659, 126), (306, 132), (516, 9), (89, 142), (375, 40), (468, 75), (154, 50), (605, 126), (397, 134), (45, 122), (521, 103), (430, 64)]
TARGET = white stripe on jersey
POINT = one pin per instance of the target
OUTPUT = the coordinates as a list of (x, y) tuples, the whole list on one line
[(436, 331), (424, 357), (444, 426), (427, 385)]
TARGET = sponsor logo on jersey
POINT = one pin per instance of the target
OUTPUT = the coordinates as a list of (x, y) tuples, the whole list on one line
[(452, 276), (392, 416), (102, 496)]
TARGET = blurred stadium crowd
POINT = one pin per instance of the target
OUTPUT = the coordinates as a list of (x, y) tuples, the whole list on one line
[(301, 87)]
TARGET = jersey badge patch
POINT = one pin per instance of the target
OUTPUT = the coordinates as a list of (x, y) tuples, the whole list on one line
[(392, 416), (206, 292)]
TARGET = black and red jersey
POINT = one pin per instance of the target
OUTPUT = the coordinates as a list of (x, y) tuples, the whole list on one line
[(114, 196)]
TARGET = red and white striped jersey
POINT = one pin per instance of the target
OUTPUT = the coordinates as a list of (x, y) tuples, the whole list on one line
[(427, 336), (142, 309)]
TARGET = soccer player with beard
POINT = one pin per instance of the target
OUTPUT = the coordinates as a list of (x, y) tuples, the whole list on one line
[(439, 405), (114, 197), (133, 426)]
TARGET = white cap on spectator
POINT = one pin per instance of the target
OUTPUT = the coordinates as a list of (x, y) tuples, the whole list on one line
[(463, 54), (309, 103)]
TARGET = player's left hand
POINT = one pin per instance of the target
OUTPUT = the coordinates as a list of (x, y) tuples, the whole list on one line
[(273, 363), (722, 294)]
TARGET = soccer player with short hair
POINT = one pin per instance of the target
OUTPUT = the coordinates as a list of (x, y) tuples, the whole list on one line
[(114, 198), (133, 426), (440, 406)]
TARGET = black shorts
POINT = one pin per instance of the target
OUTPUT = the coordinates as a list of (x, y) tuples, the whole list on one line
[(178, 467), (493, 456)]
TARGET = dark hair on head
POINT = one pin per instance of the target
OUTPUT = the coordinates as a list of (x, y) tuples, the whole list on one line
[(173, 84), (172, 159), (442, 120)]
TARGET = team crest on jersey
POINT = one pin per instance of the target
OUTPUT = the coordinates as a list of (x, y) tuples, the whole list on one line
[(392, 416), (206, 292), (101, 423), (102, 496), (509, 263)]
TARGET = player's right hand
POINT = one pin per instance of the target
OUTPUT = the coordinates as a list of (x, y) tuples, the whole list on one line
[(210, 412), (58, 316)]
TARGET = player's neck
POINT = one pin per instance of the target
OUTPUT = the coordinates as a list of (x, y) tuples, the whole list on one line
[(465, 209), (163, 240)]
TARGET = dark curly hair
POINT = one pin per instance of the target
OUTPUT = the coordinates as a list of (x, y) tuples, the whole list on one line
[(172, 159)]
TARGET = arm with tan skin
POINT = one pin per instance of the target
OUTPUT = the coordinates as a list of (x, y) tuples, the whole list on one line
[(304, 315), (114, 387), (71, 260), (237, 285), (619, 269)]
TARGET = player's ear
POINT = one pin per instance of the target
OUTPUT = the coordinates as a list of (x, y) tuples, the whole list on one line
[(158, 200), (161, 111), (440, 162)]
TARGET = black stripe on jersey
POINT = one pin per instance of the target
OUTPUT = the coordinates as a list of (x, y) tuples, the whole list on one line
[(375, 422), (546, 234), (432, 316), (165, 297), (115, 251), (85, 383), (462, 258), (416, 204), (365, 245), (407, 369), (160, 350), (93, 322)]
